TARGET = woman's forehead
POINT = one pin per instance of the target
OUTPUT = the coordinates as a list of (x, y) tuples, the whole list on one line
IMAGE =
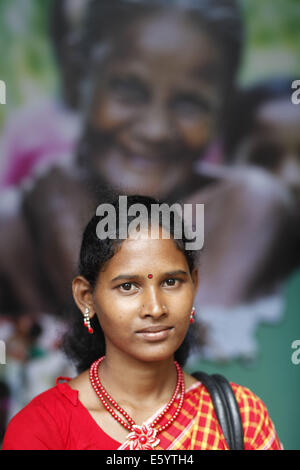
[(144, 253), (168, 34), (169, 30)]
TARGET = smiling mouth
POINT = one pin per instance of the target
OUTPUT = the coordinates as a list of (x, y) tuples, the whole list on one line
[(134, 164), (138, 163), (145, 159), (144, 163)]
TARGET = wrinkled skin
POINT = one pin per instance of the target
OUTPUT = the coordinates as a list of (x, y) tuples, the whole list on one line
[(155, 106)]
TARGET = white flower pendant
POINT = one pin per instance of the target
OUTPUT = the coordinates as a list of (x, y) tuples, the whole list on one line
[(142, 438)]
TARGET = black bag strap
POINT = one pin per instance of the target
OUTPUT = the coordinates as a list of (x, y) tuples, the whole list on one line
[(226, 408)]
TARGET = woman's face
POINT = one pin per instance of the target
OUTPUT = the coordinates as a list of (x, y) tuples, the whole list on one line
[(127, 301), (156, 104)]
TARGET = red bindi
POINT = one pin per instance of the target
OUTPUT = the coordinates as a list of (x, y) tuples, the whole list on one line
[(150, 276)]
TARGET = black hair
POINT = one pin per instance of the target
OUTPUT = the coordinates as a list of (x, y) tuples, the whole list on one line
[(222, 18), (59, 27), (84, 348), (241, 121), (65, 33)]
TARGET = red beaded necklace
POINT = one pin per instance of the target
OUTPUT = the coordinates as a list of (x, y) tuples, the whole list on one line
[(141, 437)]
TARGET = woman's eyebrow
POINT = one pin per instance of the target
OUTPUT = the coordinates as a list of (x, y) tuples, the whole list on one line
[(175, 273), (136, 276), (125, 276), (208, 71)]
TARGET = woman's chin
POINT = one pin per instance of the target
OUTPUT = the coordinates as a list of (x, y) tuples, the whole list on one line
[(158, 180), (141, 185)]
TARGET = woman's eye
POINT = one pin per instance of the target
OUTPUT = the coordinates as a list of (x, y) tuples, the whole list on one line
[(126, 286), (172, 282), (128, 90), (190, 105)]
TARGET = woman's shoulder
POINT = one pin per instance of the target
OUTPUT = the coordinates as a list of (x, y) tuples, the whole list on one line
[(259, 429), (61, 392), (189, 380), (45, 419), (248, 400)]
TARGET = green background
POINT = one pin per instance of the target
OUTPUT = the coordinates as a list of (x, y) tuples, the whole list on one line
[(272, 376)]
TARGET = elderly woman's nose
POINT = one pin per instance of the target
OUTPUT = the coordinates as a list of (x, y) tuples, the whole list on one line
[(155, 125)]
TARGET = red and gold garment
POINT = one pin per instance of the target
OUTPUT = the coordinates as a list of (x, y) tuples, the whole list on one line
[(57, 420)]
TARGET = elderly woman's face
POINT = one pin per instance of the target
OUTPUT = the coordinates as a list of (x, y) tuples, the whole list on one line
[(156, 104)]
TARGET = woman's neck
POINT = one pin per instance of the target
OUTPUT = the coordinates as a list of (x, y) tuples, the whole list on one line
[(134, 381)]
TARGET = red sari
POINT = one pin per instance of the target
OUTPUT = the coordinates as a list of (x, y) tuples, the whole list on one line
[(57, 420)]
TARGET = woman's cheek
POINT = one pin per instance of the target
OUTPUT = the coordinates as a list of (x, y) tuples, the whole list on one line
[(109, 323), (110, 114), (197, 134), (116, 311)]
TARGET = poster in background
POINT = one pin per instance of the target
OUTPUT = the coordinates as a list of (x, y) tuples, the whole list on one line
[(82, 111)]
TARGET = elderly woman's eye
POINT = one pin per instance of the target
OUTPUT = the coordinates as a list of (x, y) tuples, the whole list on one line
[(128, 89), (191, 105)]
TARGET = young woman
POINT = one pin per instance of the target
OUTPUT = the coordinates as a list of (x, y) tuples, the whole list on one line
[(131, 339)]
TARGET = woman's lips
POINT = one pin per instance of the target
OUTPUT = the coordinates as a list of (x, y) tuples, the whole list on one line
[(144, 159), (155, 334), (143, 163)]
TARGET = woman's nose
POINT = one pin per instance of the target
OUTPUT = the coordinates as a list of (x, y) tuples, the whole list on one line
[(153, 305), (155, 126)]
